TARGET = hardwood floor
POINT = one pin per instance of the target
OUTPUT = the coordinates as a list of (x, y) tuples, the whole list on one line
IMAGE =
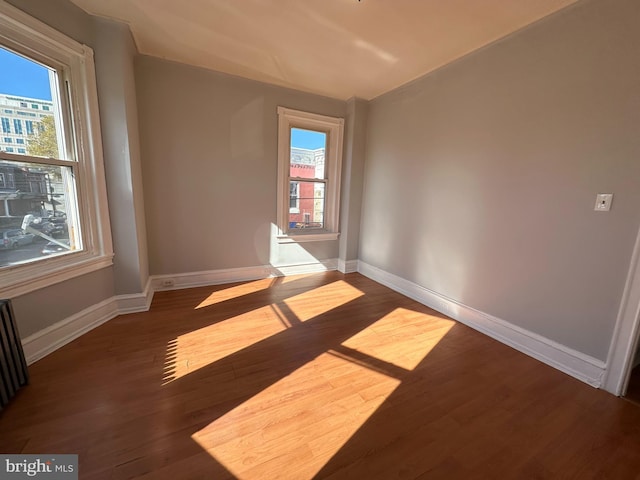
[(319, 376)]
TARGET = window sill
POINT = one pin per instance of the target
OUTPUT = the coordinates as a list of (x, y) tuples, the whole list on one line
[(308, 237), (50, 272)]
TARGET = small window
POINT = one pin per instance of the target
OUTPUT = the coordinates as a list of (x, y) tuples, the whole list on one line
[(45, 108), (8, 140), (309, 163), (19, 140), (9, 149), (6, 126), (22, 150), (17, 126), (33, 105)]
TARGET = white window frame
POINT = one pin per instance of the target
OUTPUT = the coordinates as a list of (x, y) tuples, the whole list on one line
[(333, 127), (24, 34)]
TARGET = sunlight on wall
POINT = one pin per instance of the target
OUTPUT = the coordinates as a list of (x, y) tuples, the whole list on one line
[(420, 334), (300, 422), (312, 303)]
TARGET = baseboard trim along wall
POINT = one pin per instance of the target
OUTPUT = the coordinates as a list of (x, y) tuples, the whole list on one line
[(46, 341), (347, 266), (231, 275), (583, 367), (136, 302), (565, 359)]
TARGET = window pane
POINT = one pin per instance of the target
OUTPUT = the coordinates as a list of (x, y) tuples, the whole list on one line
[(26, 85), (38, 217), (310, 210), (294, 196), (307, 153)]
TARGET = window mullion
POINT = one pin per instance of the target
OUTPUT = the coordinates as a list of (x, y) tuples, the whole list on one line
[(22, 158), (308, 179)]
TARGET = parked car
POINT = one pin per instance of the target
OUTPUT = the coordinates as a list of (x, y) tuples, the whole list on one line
[(53, 226), (14, 238), (51, 248)]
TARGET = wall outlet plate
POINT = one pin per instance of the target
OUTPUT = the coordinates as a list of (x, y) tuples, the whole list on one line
[(603, 202)]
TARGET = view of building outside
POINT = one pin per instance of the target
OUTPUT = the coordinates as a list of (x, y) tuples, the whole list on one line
[(20, 118), (307, 179), (27, 188)]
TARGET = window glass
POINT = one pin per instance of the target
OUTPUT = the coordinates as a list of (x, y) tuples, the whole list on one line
[(41, 200), (307, 162)]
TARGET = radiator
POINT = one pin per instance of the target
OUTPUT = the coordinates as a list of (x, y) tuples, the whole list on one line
[(13, 367)]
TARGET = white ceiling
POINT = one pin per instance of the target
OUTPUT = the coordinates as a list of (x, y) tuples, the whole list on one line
[(338, 48)]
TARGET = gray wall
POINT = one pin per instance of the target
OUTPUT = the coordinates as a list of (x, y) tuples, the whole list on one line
[(481, 177), (352, 178), (209, 153), (114, 52), (48, 306), (42, 308)]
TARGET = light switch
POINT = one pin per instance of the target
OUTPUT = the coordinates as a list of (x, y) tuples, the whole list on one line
[(603, 202)]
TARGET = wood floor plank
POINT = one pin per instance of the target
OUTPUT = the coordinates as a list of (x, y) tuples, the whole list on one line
[(315, 376)]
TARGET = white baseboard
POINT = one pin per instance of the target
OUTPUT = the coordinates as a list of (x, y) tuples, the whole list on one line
[(137, 302), (208, 277), (321, 266), (347, 266), (583, 367), (46, 341), (231, 275)]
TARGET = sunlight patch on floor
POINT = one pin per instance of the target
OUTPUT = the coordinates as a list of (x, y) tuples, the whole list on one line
[(317, 301), (297, 424), (300, 422), (235, 292), (197, 349), (420, 333), (295, 278)]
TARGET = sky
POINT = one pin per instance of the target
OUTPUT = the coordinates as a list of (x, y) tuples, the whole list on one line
[(307, 139), (22, 77)]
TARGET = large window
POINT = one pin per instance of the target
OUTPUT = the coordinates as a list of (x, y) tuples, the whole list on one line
[(309, 163), (56, 197)]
